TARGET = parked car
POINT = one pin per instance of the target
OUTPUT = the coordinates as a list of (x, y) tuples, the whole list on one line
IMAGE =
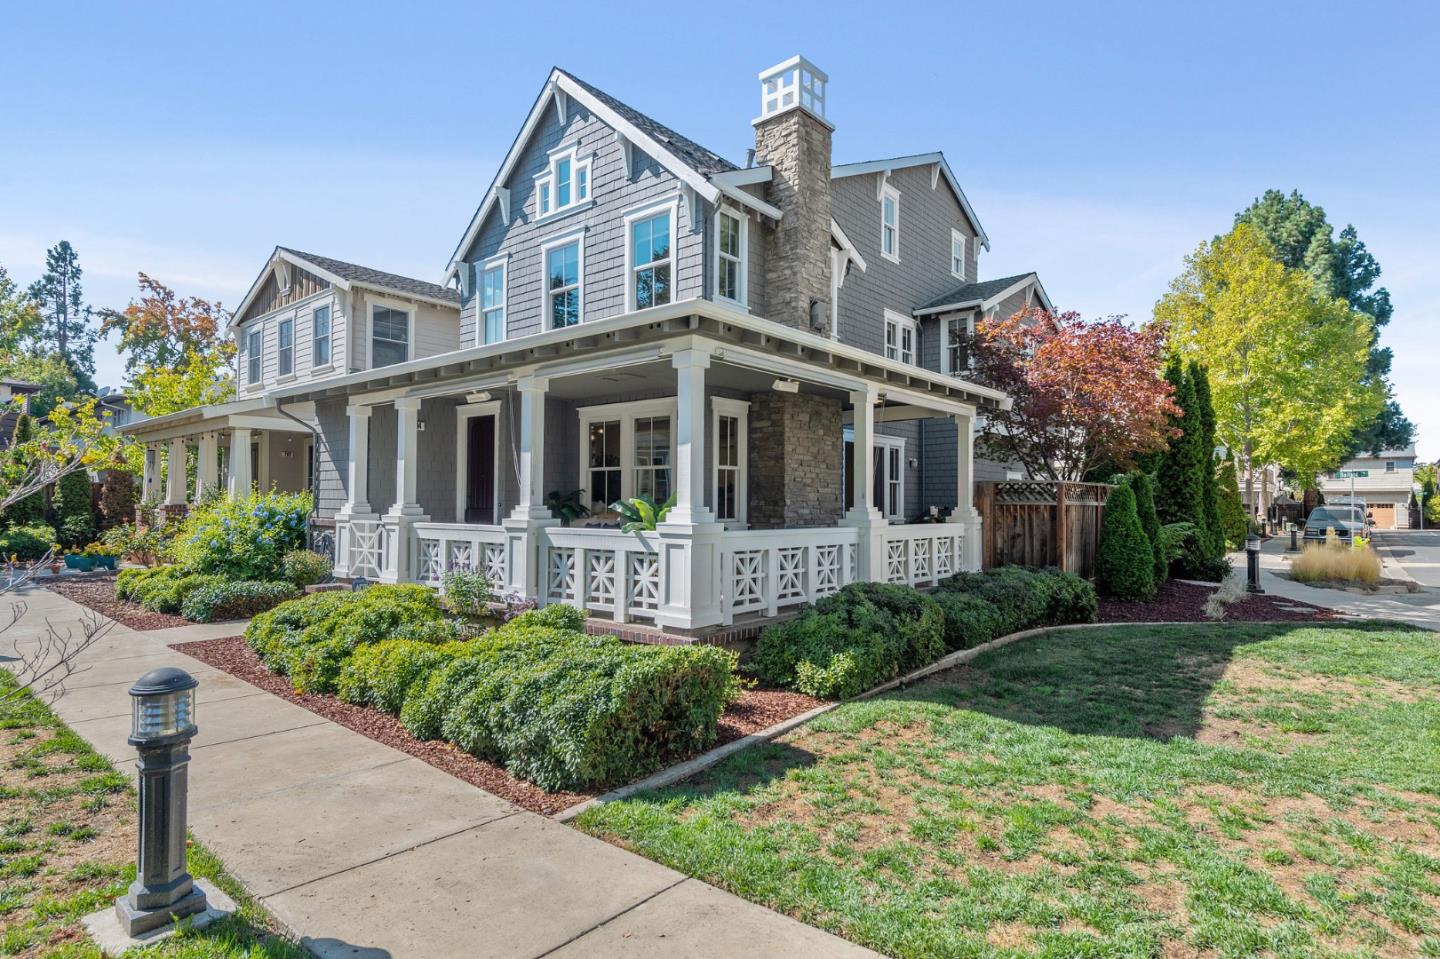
[(1346, 521)]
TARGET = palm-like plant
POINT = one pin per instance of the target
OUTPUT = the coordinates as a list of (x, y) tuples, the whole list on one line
[(567, 507), (641, 513)]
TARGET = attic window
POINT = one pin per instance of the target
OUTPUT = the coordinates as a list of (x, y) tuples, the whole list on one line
[(566, 183), (957, 254)]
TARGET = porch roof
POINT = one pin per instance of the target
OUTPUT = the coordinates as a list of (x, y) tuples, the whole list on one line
[(260, 413), (735, 336)]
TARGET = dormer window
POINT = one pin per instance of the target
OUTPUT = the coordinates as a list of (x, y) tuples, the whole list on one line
[(565, 185), (957, 254), (890, 223)]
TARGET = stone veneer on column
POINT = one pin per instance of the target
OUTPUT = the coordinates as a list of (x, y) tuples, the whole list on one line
[(795, 467)]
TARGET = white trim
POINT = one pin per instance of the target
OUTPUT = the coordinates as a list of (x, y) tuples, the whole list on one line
[(903, 324), (919, 159), (742, 281), (463, 414), (747, 177), (846, 246), (958, 239), (888, 191), (400, 306), (670, 205), (626, 414), (546, 189), (883, 443), (576, 236), (502, 261), (738, 410)]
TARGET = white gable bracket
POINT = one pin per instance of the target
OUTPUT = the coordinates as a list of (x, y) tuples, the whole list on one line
[(562, 105), (625, 147), (502, 194), (880, 184), (934, 176)]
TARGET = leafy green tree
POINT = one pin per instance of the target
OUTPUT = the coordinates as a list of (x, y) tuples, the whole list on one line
[(67, 331), (1213, 536), (1125, 567), (1144, 489), (1426, 477), (20, 319), (175, 348), (50, 373), (1234, 524)]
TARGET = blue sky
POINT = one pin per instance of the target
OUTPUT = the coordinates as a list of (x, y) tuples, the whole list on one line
[(1099, 143)]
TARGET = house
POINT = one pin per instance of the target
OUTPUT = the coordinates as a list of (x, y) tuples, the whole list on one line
[(14, 403), (1383, 480), (780, 346)]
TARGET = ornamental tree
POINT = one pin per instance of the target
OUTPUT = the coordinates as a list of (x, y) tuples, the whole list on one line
[(176, 350), (1085, 394)]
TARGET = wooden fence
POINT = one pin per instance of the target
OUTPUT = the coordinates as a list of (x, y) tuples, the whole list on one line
[(1033, 523)]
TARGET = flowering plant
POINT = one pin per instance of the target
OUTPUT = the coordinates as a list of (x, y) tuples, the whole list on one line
[(243, 538)]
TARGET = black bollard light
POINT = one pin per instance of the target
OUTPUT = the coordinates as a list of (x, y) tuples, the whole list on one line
[(1294, 542), (162, 725), (1252, 564)]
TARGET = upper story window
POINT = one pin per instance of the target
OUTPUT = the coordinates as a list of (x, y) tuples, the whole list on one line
[(957, 254), (731, 238), (492, 302), (320, 336), (890, 223), (1389, 466), (899, 337), (563, 273), (254, 351), (389, 336), (286, 353), (956, 334), (565, 184), (652, 266)]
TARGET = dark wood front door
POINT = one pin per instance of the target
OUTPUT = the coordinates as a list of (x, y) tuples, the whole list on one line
[(480, 470)]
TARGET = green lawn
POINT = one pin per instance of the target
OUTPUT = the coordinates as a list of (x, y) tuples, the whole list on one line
[(67, 848), (1226, 790)]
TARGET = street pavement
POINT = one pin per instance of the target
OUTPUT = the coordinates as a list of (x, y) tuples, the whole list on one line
[(1416, 551)]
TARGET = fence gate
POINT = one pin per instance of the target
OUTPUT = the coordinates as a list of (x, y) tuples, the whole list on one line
[(1037, 523)]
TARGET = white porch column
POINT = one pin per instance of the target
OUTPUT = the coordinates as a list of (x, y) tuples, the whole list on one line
[(242, 470), (863, 514), (175, 474), (207, 465), (406, 511), (965, 512), (150, 478), (690, 537), (357, 496), (522, 526)]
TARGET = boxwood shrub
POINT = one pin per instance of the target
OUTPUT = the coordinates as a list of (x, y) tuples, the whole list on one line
[(234, 600), (1023, 598), (162, 589), (381, 674)]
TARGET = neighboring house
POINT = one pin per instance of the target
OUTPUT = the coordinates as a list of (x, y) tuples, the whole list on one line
[(1385, 487), (12, 391), (117, 404), (781, 347)]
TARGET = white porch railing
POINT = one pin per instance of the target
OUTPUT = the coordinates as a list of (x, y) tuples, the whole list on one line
[(922, 554), (765, 571), (363, 543), (603, 570), (443, 546)]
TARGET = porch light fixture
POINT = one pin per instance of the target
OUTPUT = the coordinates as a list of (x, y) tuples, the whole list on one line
[(786, 386), (479, 396), (161, 727)]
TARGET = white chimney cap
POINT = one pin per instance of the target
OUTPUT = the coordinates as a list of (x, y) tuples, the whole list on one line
[(795, 84)]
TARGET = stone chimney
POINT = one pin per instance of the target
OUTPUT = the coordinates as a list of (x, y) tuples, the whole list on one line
[(792, 136)]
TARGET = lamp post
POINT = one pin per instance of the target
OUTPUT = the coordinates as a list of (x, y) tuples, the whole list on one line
[(162, 725), (1419, 492), (1252, 564)]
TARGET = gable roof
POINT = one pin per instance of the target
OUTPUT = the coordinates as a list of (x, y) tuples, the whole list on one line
[(984, 294), (343, 275), (936, 159)]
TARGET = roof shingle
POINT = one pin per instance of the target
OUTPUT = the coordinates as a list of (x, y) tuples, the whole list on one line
[(974, 292), (365, 276)]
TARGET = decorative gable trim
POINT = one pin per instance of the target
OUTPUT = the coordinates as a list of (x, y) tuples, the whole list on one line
[(886, 167)]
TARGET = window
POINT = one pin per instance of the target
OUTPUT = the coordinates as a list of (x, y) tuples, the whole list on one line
[(604, 464), (562, 284), (728, 427), (565, 185), (320, 335), (389, 336), (1389, 466), (492, 303), (730, 243), (253, 352), (650, 262), (956, 333), (957, 254), (899, 337), (890, 223), (652, 457), (287, 347), (888, 479), (626, 450)]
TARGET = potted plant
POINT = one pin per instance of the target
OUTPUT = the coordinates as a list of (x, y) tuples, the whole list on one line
[(102, 555), (56, 563), (79, 560)]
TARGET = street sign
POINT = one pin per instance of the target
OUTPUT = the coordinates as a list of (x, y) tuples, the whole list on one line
[(1351, 474)]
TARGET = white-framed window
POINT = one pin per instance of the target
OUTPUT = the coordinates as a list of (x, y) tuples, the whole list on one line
[(627, 449), (888, 460), (956, 336), (285, 356), (563, 259), (389, 335), (957, 254), (254, 353), (565, 184), (899, 337), (491, 326), (320, 336), (732, 240), (1389, 466), (890, 223), (729, 428), (650, 254)]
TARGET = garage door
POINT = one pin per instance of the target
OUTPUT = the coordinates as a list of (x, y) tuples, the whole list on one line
[(1384, 514)]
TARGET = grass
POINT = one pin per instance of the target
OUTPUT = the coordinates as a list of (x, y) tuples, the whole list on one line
[(67, 848), (1336, 564), (1208, 790)]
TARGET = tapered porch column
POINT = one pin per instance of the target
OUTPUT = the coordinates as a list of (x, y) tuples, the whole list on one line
[(175, 474), (207, 466), (357, 496), (242, 470), (965, 512), (150, 479), (690, 537), (406, 511), (863, 514), (522, 526)]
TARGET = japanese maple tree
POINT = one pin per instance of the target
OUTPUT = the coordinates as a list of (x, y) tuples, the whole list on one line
[(1085, 395)]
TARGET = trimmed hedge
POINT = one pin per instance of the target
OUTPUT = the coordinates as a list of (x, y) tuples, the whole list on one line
[(234, 600), (1021, 598), (382, 674), (162, 589)]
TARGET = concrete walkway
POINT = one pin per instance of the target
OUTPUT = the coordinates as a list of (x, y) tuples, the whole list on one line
[(365, 851)]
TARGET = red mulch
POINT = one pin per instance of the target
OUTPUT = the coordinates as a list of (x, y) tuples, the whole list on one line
[(97, 591), (1185, 603), (756, 709)]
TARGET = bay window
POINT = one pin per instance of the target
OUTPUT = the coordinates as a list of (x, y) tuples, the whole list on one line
[(389, 336)]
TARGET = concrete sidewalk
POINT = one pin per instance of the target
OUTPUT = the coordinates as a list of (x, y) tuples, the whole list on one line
[(1418, 609), (362, 850)]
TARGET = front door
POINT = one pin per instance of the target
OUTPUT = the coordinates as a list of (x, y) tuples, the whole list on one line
[(480, 470)]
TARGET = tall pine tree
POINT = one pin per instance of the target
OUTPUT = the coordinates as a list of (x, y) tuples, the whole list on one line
[(1214, 537), (68, 331)]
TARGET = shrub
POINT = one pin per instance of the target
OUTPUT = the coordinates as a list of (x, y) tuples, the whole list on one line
[(1126, 565), (554, 616), (466, 592), (117, 498), (969, 620), (1336, 564), (1022, 598), (304, 568), (234, 599), (26, 543), (74, 509), (1144, 490), (166, 590), (381, 674), (244, 537)]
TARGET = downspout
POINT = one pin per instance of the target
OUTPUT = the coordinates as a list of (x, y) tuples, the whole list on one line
[(317, 439)]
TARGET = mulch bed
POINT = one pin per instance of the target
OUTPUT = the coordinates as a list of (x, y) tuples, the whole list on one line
[(756, 709), (1178, 602), (97, 591)]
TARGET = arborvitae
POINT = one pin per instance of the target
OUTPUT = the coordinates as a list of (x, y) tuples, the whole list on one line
[(1214, 537), (1230, 507), (1126, 564), (1144, 490), (31, 509), (1180, 496)]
